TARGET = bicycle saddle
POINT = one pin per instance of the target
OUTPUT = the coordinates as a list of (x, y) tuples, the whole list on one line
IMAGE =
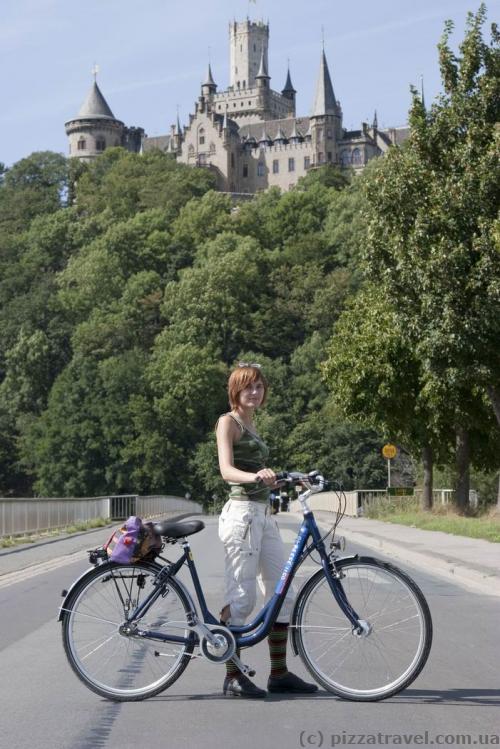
[(178, 528)]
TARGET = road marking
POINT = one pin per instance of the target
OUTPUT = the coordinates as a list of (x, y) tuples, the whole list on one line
[(27, 573)]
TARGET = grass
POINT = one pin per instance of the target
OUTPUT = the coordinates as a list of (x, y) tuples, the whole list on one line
[(405, 511), (32, 538)]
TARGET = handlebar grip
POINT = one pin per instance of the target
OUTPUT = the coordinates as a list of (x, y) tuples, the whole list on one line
[(282, 476)]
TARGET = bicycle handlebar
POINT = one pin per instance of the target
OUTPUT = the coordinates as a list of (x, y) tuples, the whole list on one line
[(313, 478)]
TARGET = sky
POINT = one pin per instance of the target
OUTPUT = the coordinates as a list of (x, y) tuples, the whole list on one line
[(152, 57)]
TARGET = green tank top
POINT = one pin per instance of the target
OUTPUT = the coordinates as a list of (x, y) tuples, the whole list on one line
[(250, 454)]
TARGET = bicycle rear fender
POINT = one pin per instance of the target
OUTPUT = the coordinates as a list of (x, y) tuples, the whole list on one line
[(294, 616), (67, 593)]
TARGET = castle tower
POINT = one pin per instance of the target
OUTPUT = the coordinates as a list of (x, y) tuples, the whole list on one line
[(248, 41), (326, 118), (209, 88), (95, 128)]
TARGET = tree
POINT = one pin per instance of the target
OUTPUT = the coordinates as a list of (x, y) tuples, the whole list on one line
[(433, 236), (374, 377), (31, 187)]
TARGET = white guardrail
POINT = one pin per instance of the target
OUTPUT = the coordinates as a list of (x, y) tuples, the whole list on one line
[(24, 516)]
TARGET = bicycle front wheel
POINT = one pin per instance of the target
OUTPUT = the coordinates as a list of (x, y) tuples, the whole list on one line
[(374, 665), (117, 664)]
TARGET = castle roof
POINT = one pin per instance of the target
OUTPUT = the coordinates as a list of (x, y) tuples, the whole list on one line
[(160, 141), (262, 67), (289, 89), (324, 101), (209, 79), (95, 105), (273, 127)]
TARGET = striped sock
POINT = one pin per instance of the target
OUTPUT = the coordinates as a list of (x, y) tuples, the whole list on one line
[(231, 668), (277, 640)]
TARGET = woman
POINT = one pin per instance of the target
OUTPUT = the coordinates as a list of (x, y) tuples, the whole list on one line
[(253, 547)]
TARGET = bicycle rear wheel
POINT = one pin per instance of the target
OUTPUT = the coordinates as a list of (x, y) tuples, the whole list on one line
[(118, 665), (364, 667)]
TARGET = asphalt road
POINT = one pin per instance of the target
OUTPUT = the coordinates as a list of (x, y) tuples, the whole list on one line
[(44, 705)]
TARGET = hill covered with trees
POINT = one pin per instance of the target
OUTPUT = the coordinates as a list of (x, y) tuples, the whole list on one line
[(129, 287)]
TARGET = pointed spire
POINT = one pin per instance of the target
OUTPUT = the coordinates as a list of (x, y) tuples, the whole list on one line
[(95, 105), (324, 101), (289, 89), (280, 136), (262, 67), (422, 90), (375, 121), (209, 79), (295, 136), (178, 129), (264, 138)]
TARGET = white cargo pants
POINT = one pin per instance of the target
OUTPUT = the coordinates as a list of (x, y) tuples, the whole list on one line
[(254, 553)]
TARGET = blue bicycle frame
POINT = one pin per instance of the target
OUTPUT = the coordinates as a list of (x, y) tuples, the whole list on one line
[(261, 625)]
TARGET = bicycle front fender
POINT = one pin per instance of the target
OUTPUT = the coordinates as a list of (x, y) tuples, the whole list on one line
[(295, 612)]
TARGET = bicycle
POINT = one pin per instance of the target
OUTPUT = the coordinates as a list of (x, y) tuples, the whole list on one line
[(361, 626)]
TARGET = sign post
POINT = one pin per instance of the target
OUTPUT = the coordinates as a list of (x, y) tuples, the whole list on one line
[(389, 452)]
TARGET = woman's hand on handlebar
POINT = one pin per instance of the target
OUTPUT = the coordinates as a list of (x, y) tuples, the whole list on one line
[(265, 476)]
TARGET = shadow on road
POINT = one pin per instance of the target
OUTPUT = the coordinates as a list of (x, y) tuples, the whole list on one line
[(473, 697)]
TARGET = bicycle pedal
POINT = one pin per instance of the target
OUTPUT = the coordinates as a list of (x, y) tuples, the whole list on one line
[(247, 670)]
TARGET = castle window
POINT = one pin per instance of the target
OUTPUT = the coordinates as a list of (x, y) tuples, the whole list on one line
[(82, 144), (244, 84), (249, 103), (100, 144), (255, 48), (319, 134), (307, 162), (276, 166), (345, 158), (329, 156), (321, 157), (245, 170), (291, 165), (328, 133), (232, 160), (260, 169), (356, 156)]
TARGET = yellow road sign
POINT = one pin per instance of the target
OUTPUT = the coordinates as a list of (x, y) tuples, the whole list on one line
[(389, 451)]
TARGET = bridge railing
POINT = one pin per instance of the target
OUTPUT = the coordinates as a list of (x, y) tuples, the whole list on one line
[(358, 499), (32, 515)]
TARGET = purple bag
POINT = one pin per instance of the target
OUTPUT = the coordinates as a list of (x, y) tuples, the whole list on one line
[(133, 542), (124, 543)]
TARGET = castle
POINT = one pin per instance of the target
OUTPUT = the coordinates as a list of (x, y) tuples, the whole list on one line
[(248, 134)]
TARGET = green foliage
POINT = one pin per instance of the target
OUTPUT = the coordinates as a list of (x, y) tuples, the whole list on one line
[(416, 353), (32, 187)]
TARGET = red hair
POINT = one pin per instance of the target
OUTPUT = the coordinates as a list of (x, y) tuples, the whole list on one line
[(240, 378)]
